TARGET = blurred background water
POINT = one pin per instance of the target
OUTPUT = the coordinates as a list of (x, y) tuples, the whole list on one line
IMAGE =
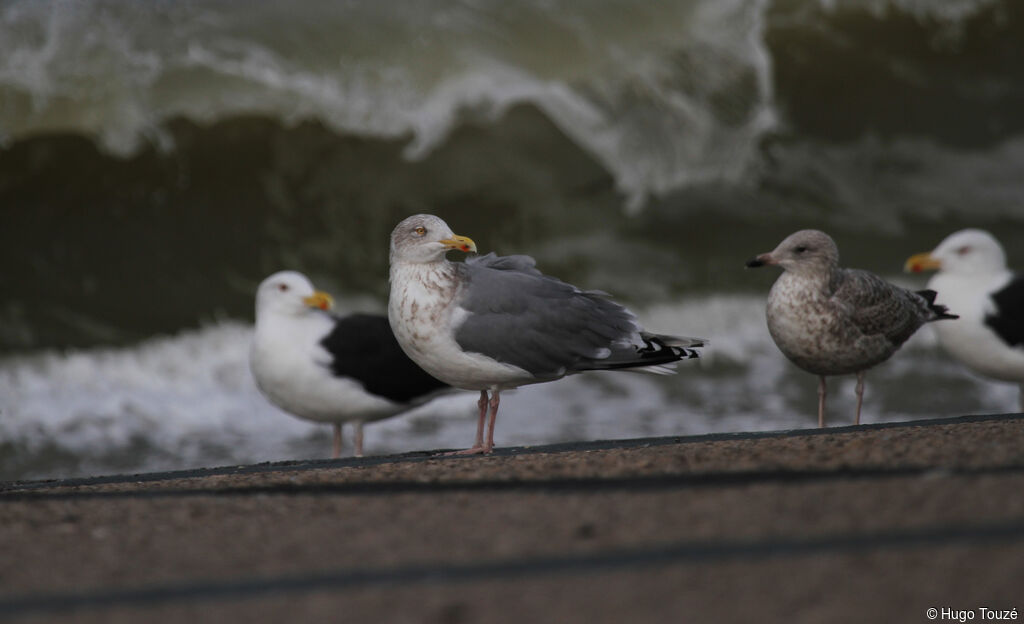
[(157, 160)]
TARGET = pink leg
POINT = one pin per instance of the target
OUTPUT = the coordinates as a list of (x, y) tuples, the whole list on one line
[(822, 391), (478, 446), (482, 406), (860, 395), (337, 440), (495, 401), (359, 438)]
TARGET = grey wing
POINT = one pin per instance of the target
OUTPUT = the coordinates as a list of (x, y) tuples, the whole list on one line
[(877, 307), (538, 323), (517, 262)]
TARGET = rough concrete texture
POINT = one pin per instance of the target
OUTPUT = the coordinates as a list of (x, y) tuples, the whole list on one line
[(872, 523)]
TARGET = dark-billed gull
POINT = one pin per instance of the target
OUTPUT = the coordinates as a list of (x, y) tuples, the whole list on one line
[(327, 368), (493, 323), (973, 279), (833, 321)]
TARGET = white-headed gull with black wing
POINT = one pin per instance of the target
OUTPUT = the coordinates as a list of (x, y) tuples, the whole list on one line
[(973, 279), (493, 323), (833, 321), (331, 369)]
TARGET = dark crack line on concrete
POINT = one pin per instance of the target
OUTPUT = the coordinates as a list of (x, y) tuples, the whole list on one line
[(571, 485), (679, 553)]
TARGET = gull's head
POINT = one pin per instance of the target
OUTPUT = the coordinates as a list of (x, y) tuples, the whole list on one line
[(806, 250), (425, 238), (289, 293), (967, 252)]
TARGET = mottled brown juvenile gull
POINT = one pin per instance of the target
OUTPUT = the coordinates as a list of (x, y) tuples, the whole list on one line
[(973, 279), (332, 369), (833, 321), (493, 323)]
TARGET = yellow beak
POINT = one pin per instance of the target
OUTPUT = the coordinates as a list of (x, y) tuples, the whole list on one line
[(320, 300), (921, 262), (462, 243)]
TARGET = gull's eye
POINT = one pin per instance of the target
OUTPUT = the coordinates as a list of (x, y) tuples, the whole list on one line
[(420, 231), (963, 251), (282, 287), (800, 249)]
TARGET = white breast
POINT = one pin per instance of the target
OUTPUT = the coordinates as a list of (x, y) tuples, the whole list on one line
[(293, 371), (968, 338), (424, 315)]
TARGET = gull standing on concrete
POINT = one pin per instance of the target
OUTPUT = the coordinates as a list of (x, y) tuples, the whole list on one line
[(330, 369), (833, 321), (493, 323), (973, 279)]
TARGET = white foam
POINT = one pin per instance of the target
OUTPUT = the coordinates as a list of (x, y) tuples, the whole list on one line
[(179, 396)]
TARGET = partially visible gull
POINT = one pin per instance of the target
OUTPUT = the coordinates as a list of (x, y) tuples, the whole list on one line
[(329, 369), (833, 321), (493, 323), (973, 279)]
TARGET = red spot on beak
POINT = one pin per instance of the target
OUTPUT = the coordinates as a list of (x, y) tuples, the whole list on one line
[(319, 300)]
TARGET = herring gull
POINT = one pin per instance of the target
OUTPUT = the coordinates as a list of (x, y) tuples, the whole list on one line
[(833, 321), (325, 368), (493, 323), (973, 279)]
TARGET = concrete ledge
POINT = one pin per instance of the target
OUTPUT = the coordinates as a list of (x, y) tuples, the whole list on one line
[(877, 522)]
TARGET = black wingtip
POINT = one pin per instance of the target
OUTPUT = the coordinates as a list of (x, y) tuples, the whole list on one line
[(941, 312), (674, 353), (681, 353)]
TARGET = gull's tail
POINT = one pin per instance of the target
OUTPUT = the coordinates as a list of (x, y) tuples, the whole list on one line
[(939, 311)]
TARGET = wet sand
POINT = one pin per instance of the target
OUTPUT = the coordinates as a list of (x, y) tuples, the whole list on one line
[(851, 524)]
